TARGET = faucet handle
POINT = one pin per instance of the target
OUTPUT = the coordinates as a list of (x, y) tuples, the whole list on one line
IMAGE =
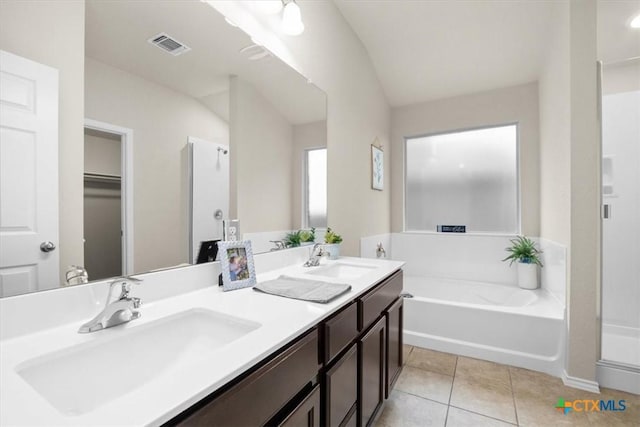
[(137, 302), (126, 286)]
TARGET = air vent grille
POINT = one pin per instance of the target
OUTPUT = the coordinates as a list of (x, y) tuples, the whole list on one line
[(169, 44)]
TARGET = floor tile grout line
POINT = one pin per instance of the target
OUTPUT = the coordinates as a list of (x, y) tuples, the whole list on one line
[(513, 396), (483, 415), (421, 397), (455, 367)]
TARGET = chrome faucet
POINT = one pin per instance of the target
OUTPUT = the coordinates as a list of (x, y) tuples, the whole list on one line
[(380, 252), (314, 258), (279, 245), (117, 312)]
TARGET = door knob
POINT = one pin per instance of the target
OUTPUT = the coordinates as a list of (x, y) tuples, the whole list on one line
[(47, 246)]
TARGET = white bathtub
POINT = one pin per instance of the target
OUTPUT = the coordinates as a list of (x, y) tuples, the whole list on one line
[(501, 323)]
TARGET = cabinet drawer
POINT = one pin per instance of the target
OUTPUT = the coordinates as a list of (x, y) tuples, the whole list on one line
[(307, 414), (372, 304), (339, 331), (341, 388), (259, 396)]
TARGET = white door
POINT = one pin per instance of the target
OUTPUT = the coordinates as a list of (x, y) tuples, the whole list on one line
[(209, 169), (28, 176)]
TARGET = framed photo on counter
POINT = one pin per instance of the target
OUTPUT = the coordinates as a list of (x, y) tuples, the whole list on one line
[(236, 261)]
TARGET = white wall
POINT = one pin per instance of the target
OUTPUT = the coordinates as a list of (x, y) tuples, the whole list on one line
[(52, 33), (261, 155), (102, 153), (162, 120), (623, 77), (584, 251), (570, 180), (621, 232), (496, 107), (306, 136), (555, 133), (331, 55)]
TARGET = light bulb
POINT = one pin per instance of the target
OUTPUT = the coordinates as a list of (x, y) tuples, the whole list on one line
[(635, 23), (292, 19)]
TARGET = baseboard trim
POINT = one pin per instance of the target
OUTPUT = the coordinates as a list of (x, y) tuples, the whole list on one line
[(624, 378), (580, 383)]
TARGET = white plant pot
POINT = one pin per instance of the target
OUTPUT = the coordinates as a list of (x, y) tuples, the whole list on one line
[(527, 275), (333, 250)]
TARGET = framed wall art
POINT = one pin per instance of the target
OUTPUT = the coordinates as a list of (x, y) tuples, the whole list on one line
[(377, 168)]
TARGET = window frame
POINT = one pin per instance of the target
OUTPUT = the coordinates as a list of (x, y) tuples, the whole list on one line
[(459, 130)]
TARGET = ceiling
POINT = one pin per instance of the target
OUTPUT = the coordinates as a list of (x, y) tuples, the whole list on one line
[(424, 50), (617, 41), (116, 33)]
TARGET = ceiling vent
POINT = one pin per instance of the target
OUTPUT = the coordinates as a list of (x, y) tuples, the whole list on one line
[(169, 44)]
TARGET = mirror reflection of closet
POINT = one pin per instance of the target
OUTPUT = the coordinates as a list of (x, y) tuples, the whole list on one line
[(102, 204)]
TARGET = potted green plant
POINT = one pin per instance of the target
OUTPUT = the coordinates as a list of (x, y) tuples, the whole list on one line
[(293, 239), (307, 237), (332, 243), (524, 253)]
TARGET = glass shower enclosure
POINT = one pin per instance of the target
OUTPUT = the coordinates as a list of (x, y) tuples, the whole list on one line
[(620, 297)]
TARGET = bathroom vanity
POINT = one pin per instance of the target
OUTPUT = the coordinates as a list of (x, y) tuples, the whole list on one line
[(201, 356), (337, 373)]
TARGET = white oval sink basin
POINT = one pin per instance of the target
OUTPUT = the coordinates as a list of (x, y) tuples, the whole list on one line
[(80, 379), (343, 270)]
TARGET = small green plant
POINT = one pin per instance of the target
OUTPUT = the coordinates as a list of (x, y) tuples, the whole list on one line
[(330, 237), (308, 235), (523, 250), (293, 239)]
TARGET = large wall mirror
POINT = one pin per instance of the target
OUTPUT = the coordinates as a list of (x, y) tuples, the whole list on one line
[(186, 123)]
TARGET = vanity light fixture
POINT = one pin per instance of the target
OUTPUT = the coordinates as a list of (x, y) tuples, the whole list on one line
[(292, 18), (268, 7), (635, 22)]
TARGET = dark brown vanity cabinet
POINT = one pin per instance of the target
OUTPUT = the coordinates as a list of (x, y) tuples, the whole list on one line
[(307, 413), (337, 374), (341, 389), (269, 395), (394, 363), (356, 381), (380, 345), (372, 351)]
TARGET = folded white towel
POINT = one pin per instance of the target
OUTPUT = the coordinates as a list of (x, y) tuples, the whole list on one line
[(307, 290)]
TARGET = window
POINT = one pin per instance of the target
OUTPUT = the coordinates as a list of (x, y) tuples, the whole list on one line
[(315, 209), (463, 178)]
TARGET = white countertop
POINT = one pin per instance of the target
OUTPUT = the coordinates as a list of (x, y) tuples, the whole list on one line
[(171, 392)]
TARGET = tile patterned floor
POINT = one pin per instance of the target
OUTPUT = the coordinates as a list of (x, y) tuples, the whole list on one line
[(440, 389)]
